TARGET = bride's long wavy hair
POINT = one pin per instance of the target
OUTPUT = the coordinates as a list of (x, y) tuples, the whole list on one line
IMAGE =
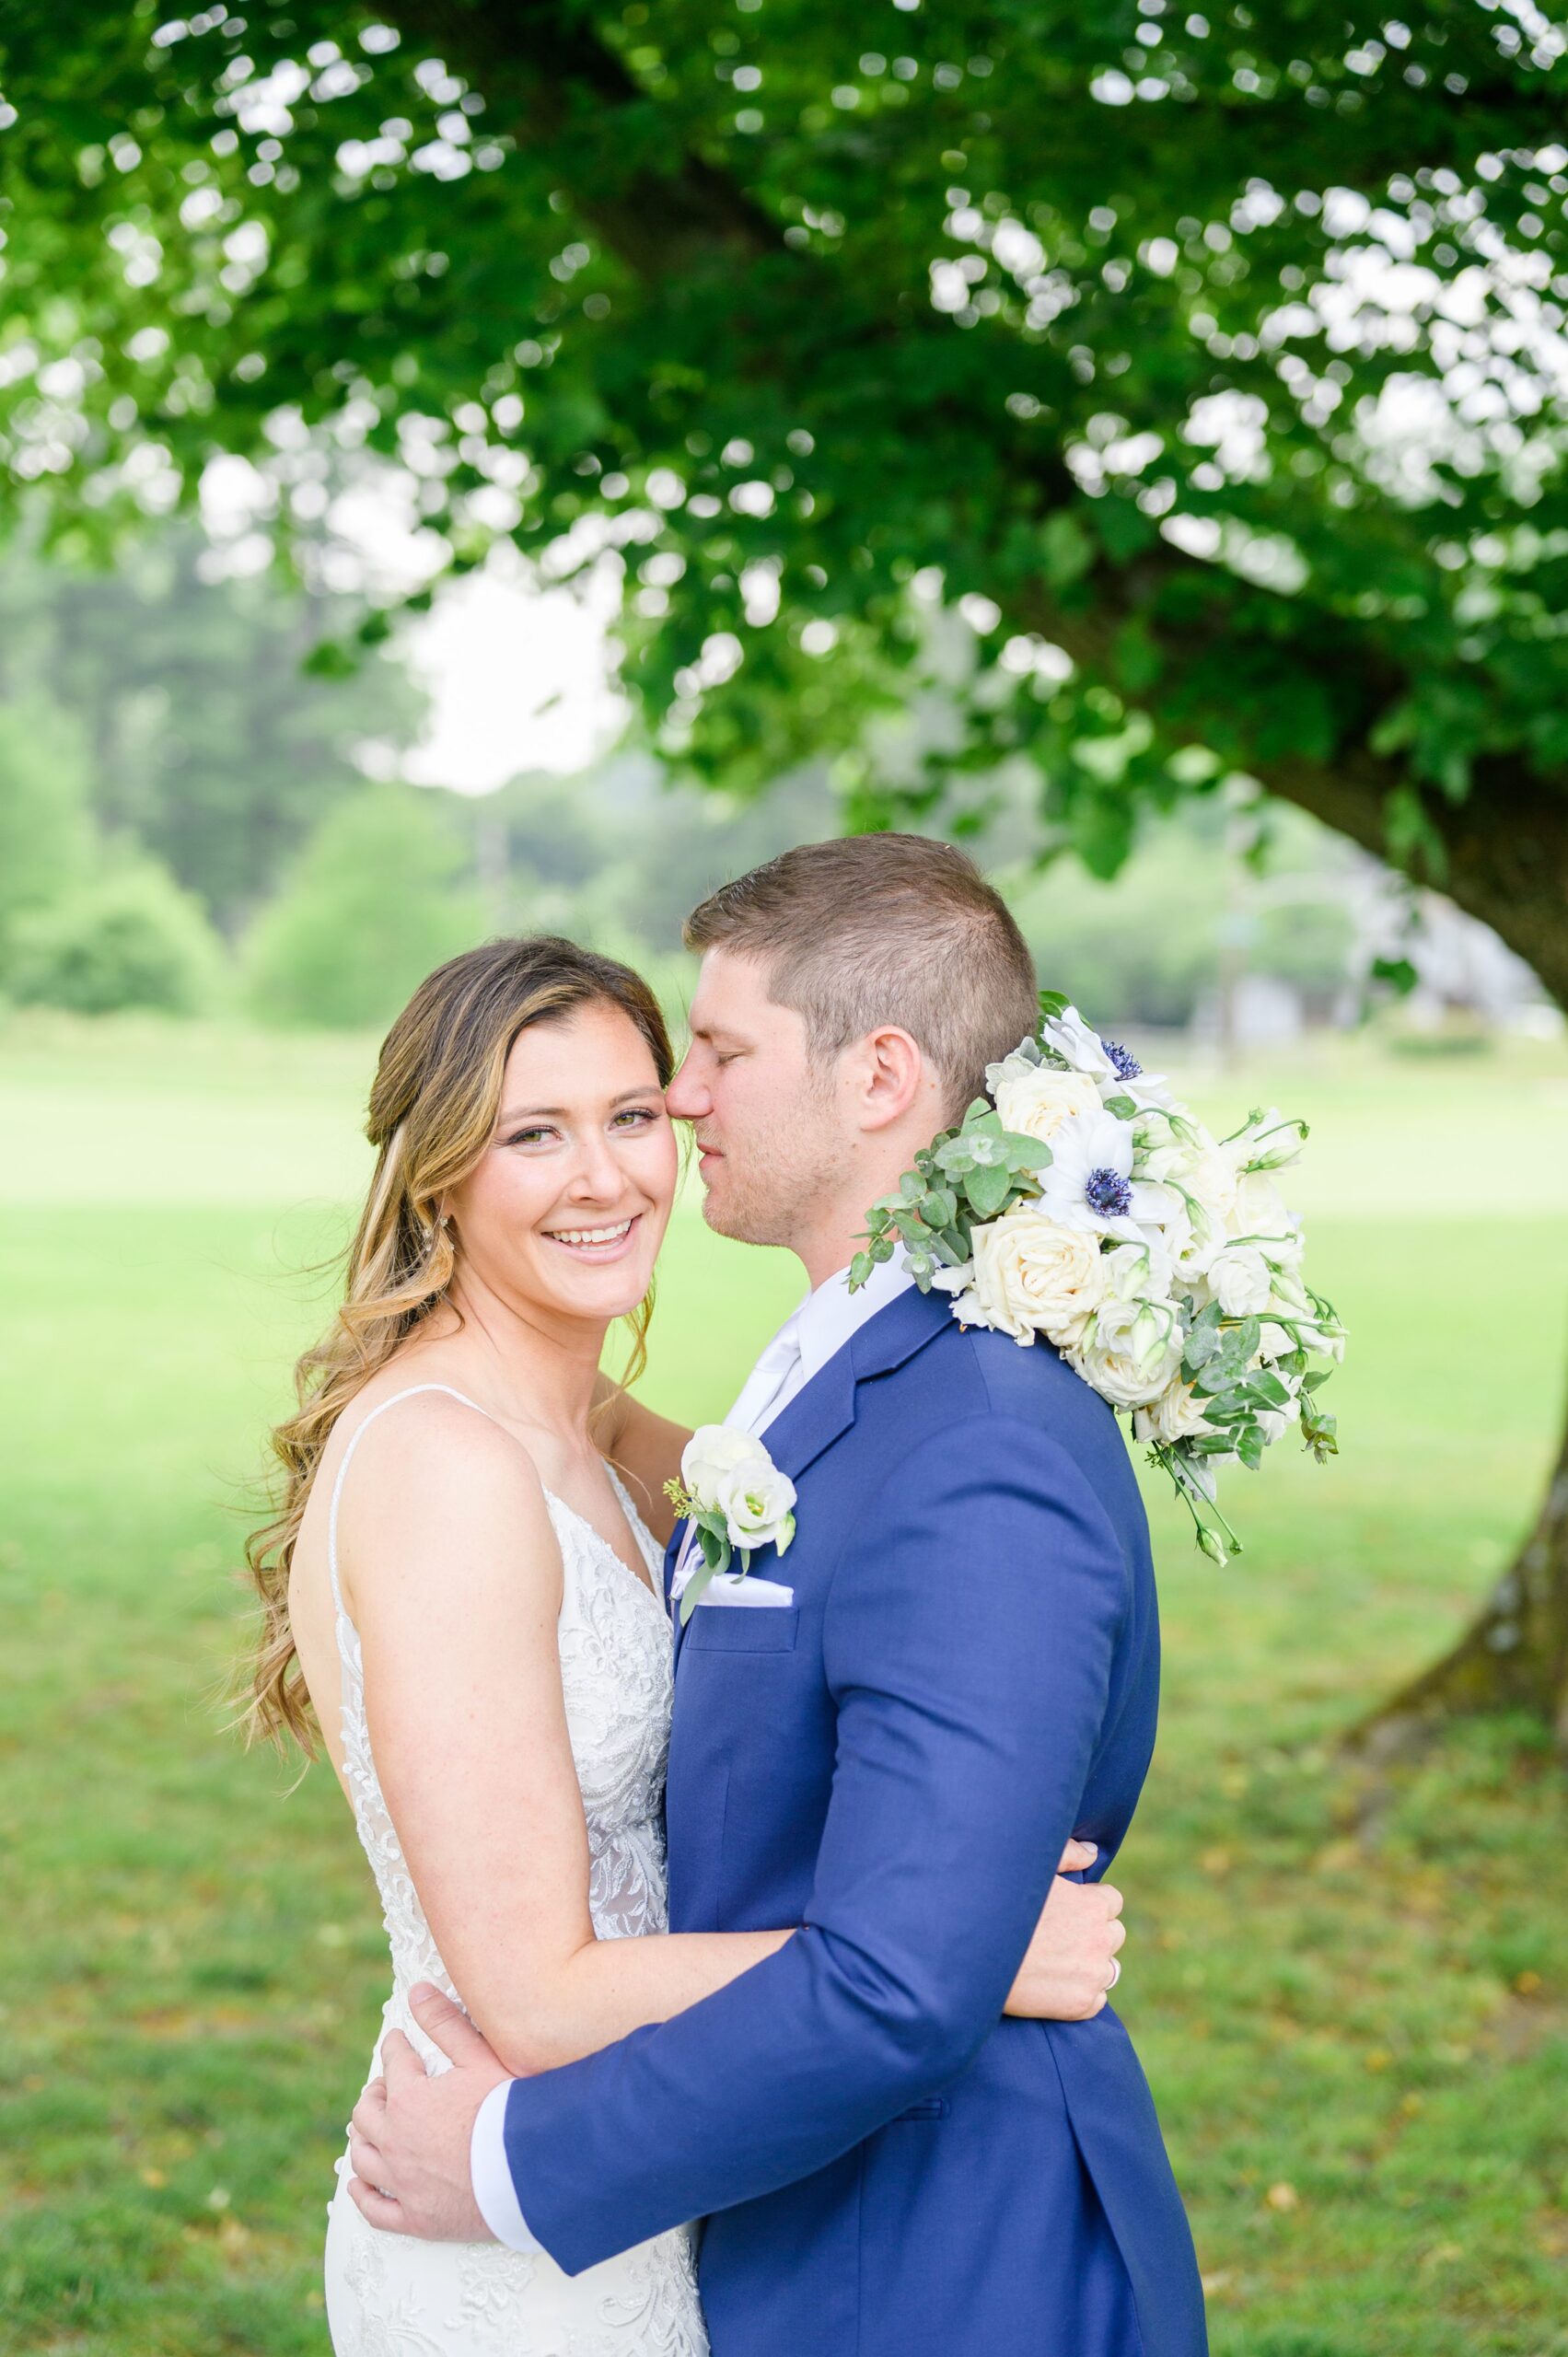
[(433, 1105)]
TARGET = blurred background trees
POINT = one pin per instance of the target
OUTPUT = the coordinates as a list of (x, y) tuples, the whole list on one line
[(1031, 424)]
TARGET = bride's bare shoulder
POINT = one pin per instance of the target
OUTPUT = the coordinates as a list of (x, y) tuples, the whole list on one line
[(431, 1468)]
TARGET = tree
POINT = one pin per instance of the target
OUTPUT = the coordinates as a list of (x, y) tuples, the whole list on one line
[(45, 831), (132, 937), (1208, 364), (373, 903), (206, 741)]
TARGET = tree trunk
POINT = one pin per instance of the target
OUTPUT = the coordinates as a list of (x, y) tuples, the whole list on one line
[(1514, 1656), (1507, 856)]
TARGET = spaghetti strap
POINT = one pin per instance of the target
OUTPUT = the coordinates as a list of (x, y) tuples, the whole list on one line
[(379, 1410)]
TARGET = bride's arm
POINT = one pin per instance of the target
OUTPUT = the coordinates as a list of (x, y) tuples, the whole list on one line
[(455, 1578)]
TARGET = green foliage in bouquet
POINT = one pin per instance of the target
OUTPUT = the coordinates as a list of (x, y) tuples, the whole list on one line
[(1205, 1332), (962, 1179), (965, 1177)]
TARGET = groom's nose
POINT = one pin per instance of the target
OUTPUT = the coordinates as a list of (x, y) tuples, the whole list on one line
[(688, 1098)]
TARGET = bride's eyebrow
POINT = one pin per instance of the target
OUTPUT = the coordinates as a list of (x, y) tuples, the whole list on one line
[(563, 1112)]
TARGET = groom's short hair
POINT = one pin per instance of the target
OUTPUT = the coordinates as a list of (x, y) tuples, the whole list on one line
[(872, 929)]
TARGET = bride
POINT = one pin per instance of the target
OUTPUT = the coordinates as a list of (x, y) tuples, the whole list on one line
[(462, 1596)]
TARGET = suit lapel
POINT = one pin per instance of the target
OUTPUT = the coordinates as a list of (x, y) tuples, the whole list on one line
[(824, 1410)]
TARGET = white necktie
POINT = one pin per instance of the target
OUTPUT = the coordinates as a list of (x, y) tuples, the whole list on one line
[(766, 1381)]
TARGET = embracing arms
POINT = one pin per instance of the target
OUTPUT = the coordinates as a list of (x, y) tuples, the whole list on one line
[(969, 1644), (455, 1586)]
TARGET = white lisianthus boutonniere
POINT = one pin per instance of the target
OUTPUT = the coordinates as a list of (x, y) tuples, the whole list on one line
[(1080, 1202), (738, 1502)]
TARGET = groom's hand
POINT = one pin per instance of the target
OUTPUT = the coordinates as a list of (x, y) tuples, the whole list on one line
[(1071, 1965), (409, 2135)]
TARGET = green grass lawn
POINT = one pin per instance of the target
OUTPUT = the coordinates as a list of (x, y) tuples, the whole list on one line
[(1350, 1999)]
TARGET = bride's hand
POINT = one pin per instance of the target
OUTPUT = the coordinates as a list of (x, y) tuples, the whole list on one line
[(1072, 1959)]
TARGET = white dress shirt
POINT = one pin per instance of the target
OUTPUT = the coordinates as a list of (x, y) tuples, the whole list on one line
[(809, 1337)]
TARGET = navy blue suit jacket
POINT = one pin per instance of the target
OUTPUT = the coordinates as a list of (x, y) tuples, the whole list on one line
[(885, 2167)]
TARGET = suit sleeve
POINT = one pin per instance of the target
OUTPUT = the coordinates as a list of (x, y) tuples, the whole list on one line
[(968, 1641)]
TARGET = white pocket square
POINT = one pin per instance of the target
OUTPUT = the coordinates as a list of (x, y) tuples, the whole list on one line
[(731, 1587)]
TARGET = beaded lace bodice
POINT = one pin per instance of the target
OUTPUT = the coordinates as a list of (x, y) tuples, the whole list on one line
[(391, 2297)]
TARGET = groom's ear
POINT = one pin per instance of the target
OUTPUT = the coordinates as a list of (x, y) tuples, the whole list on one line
[(892, 1078)]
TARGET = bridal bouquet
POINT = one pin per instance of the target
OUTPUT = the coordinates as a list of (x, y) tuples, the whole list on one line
[(1079, 1200)]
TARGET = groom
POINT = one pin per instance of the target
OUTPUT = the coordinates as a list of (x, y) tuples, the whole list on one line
[(955, 1668)]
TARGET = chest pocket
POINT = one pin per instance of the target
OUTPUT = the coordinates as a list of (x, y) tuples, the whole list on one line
[(743, 1629)]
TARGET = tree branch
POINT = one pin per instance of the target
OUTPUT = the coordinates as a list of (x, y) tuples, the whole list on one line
[(548, 80), (667, 211)]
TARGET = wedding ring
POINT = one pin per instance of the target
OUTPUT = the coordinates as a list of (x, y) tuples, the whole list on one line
[(1115, 1974)]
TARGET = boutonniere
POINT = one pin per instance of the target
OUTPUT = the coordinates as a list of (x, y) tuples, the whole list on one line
[(737, 1500)]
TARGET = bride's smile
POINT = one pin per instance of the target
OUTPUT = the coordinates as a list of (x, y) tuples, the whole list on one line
[(563, 1217)]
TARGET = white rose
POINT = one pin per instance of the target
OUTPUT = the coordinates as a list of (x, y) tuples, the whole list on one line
[(712, 1455), (1130, 1353), (1259, 1211), (1031, 1276), (1240, 1280), (1139, 1271), (1176, 1415), (1035, 1104), (758, 1503)]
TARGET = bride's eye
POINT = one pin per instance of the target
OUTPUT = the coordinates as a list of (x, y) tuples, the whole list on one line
[(639, 1115), (529, 1136)]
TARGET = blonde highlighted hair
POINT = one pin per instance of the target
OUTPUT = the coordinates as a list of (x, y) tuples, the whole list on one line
[(433, 1105)]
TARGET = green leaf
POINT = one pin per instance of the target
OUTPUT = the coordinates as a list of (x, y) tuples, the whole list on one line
[(1137, 657), (1025, 1153), (1053, 1005), (692, 1593), (1124, 1109), (1399, 971), (988, 1190), (1066, 549)]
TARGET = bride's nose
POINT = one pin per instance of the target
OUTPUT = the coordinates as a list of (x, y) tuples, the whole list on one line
[(598, 1176)]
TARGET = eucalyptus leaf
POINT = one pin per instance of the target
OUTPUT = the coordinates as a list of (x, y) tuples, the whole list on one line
[(692, 1593), (988, 1190), (1025, 1153)]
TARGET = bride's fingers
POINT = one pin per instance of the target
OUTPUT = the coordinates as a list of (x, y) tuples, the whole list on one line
[(447, 2027), (1077, 1857), (380, 2210)]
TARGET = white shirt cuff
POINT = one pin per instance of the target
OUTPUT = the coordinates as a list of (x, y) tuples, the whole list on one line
[(492, 2186)]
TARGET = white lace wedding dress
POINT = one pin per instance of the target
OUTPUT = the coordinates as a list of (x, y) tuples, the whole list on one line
[(389, 2297)]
